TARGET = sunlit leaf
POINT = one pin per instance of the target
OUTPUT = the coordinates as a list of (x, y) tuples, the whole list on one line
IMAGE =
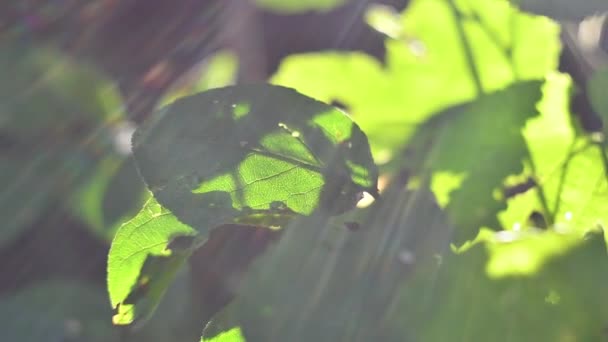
[(253, 155), (232, 335), (427, 69), (297, 6), (568, 169), (142, 261)]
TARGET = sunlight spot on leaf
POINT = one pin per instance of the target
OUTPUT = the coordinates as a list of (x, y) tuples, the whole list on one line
[(443, 183), (239, 110)]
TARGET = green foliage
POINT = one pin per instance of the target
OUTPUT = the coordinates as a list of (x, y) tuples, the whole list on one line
[(297, 6), (143, 261), (232, 335), (460, 302), (427, 65), (50, 101), (465, 144), (254, 153), (57, 311), (468, 116), (257, 155)]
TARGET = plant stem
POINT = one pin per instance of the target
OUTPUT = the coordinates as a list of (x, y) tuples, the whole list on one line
[(468, 51)]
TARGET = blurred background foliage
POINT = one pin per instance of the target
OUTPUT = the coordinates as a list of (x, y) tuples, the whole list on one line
[(485, 117)]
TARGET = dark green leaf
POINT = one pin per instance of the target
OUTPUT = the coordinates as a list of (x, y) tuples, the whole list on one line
[(255, 154)]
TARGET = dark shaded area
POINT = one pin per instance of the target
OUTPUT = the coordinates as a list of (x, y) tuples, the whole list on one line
[(217, 270), (56, 246), (146, 45)]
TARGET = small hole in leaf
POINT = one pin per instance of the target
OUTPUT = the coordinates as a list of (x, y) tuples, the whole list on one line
[(366, 200)]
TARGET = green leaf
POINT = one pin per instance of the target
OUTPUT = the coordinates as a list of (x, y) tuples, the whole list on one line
[(462, 302), (565, 190), (568, 169), (53, 131), (143, 260), (56, 311), (218, 70), (297, 6), (564, 9), (325, 282), (232, 335), (255, 154), (426, 67), (474, 147)]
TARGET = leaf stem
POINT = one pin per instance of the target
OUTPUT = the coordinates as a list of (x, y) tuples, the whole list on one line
[(542, 198), (468, 51)]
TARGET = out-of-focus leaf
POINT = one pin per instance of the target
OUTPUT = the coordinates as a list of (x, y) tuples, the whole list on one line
[(53, 130), (525, 252), (324, 282), (597, 88), (113, 194), (460, 302), (253, 155), (564, 9), (47, 93), (426, 67), (143, 261), (56, 311), (297, 6), (481, 143), (218, 70)]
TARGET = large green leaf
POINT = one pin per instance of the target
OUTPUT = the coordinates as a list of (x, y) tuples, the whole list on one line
[(567, 167), (232, 335), (427, 68), (323, 281), (474, 147), (564, 9), (56, 311), (255, 154), (563, 187), (144, 257)]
